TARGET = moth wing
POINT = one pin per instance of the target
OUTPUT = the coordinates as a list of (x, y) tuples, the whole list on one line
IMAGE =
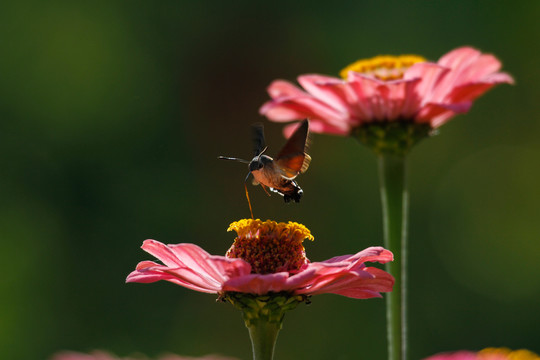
[(291, 167), (296, 143), (258, 138), (292, 159), (305, 164)]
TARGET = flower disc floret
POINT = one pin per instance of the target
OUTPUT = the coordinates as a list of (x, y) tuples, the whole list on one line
[(269, 246), (383, 67), (507, 354)]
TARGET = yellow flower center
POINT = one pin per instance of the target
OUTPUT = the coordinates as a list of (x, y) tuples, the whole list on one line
[(383, 67), (508, 354), (269, 246)]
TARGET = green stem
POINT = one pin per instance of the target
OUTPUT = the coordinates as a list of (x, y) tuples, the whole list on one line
[(263, 336), (394, 197)]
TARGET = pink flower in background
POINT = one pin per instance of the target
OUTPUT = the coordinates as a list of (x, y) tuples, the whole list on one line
[(266, 257), (94, 355), (487, 354), (386, 89), (465, 355), (101, 355), (207, 357)]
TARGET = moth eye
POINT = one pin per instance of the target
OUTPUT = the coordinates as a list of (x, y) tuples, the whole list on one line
[(255, 165)]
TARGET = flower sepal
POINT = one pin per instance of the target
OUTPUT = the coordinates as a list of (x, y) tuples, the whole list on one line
[(269, 308), (395, 138)]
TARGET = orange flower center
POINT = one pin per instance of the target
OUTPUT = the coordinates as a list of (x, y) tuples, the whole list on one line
[(383, 67), (504, 353), (268, 246)]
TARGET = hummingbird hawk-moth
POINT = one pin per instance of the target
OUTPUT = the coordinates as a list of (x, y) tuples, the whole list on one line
[(278, 173)]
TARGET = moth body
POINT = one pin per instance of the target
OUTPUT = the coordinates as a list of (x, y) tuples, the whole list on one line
[(265, 172)]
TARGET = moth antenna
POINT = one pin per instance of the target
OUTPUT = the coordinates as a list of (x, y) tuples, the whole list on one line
[(247, 195), (233, 159), (263, 150)]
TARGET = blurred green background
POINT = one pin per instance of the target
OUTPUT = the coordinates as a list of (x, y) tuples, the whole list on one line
[(113, 113)]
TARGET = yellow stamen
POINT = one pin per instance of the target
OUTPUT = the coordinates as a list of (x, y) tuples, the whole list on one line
[(250, 227), (521, 354), (383, 67), (269, 246)]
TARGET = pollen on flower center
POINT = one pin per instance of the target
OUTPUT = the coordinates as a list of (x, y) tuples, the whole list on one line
[(383, 67), (505, 353), (269, 246)]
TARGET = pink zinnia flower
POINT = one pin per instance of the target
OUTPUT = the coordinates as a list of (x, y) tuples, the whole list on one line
[(266, 257), (487, 354), (387, 89), (265, 273)]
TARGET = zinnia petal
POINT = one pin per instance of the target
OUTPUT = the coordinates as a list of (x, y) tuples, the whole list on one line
[(282, 88), (324, 87), (430, 76), (374, 253), (362, 284), (487, 354), (469, 66), (438, 114), (298, 107), (461, 355), (183, 277), (259, 284), (187, 265), (348, 276), (318, 126)]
